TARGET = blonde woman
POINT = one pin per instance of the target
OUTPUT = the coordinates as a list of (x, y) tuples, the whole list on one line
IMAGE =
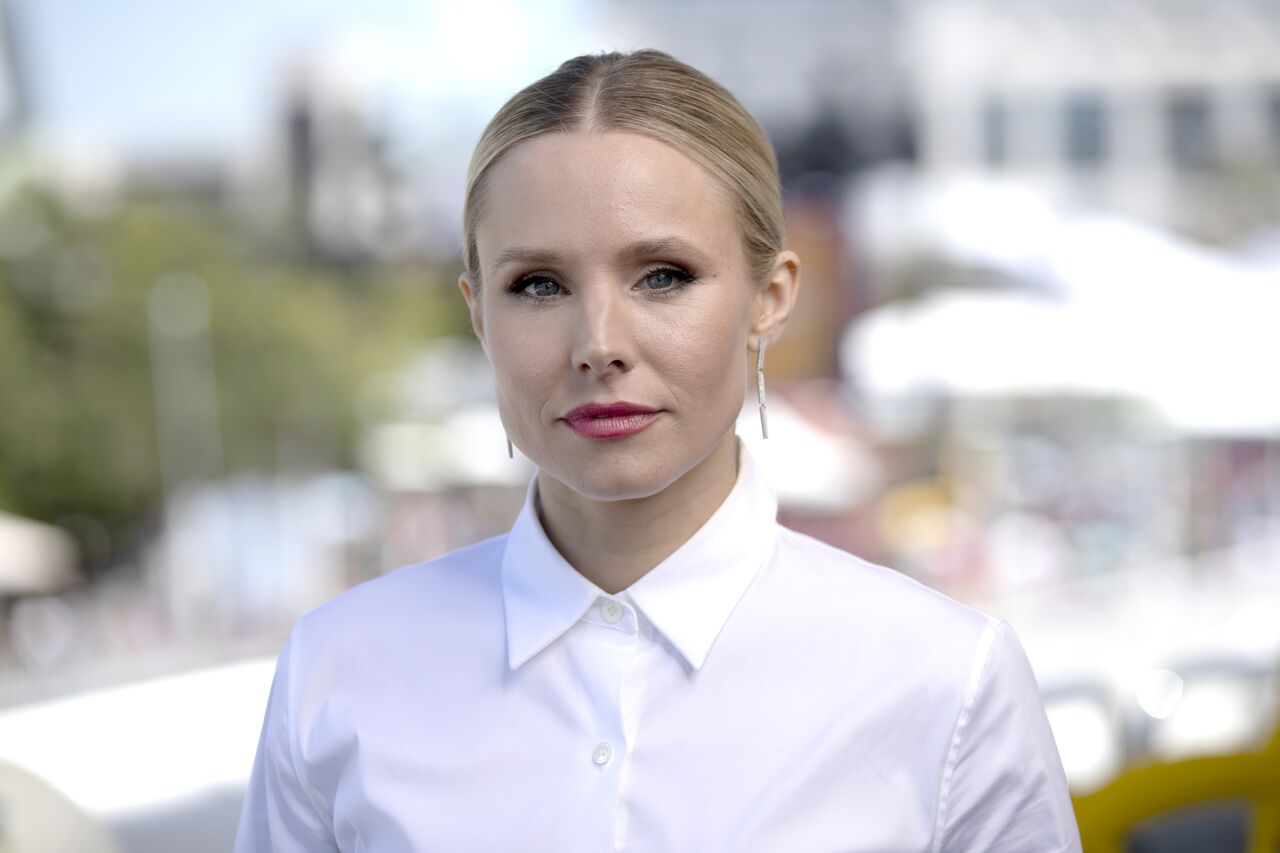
[(647, 661)]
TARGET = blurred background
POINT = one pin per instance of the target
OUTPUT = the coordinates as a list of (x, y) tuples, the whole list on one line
[(1034, 364)]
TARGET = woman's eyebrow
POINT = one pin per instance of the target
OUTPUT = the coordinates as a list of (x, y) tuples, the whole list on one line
[(660, 246), (637, 250), (538, 257), (663, 247)]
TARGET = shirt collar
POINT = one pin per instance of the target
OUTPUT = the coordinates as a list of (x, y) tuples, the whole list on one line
[(688, 596)]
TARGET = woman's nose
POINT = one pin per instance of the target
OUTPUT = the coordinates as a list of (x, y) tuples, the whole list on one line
[(603, 342)]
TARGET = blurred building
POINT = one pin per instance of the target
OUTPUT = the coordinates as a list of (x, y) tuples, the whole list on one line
[(1168, 112), (345, 199), (828, 80)]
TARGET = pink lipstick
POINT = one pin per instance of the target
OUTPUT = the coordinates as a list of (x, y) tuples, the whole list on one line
[(609, 420)]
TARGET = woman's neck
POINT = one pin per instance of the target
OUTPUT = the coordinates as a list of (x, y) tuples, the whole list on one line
[(615, 543)]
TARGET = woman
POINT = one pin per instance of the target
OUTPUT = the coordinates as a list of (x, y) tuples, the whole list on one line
[(647, 661)]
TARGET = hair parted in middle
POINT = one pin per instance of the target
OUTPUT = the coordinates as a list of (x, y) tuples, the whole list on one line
[(651, 93)]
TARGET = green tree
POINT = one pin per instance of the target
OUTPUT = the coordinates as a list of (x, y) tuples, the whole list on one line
[(293, 346)]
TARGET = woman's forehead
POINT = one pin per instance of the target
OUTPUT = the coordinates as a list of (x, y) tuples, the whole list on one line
[(590, 192)]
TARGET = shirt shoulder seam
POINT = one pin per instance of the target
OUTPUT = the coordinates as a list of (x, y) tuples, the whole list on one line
[(291, 733), (981, 658)]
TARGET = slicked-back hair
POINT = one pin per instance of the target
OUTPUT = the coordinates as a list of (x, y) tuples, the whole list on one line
[(650, 93)]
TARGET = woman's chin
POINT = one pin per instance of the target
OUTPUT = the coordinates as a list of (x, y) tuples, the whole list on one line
[(610, 471), (618, 479), (625, 470)]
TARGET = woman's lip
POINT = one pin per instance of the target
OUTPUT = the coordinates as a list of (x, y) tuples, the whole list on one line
[(607, 410), (611, 425)]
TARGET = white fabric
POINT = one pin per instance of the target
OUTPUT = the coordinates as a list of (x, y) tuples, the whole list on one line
[(757, 691)]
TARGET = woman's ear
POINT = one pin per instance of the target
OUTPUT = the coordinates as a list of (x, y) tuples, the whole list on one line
[(775, 299), (471, 293)]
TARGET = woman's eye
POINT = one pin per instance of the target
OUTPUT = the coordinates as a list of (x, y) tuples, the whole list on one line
[(665, 279), (660, 280), (542, 287)]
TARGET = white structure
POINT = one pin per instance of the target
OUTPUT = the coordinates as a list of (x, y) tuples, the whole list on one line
[(132, 755), (1123, 310), (35, 558)]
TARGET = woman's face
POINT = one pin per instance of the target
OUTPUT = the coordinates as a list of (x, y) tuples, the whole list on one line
[(613, 277)]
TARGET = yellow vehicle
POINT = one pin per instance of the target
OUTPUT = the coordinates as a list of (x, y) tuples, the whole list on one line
[(1236, 797)]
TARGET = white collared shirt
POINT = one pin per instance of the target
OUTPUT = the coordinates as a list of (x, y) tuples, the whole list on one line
[(756, 691)]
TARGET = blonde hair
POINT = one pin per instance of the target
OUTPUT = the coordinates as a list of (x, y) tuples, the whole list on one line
[(652, 93)]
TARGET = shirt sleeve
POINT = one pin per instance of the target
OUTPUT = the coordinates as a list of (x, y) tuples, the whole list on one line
[(1003, 787), (279, 813)]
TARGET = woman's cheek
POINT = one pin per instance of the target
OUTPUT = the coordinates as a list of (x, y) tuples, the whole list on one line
[(518, 365), (703, 355), (525, 380)]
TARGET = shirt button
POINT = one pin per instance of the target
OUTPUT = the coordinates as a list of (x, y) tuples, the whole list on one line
[(603, 752), (612, 613)]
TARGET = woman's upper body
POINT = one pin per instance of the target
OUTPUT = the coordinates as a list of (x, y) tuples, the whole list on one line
[(756, 691), (647, 661)]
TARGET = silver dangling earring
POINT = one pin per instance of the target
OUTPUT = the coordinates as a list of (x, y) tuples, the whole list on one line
[(511, 454), (764, 419)]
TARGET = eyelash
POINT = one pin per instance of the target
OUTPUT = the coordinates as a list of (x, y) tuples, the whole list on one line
[(681, 278)]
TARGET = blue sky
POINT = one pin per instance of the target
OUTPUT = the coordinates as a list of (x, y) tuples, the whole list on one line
[(195, 75)]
